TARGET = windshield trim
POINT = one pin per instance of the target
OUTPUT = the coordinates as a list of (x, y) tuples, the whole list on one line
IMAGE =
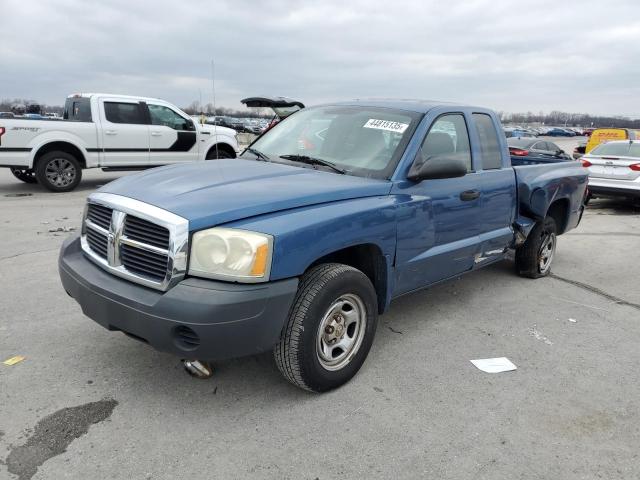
[(384, 174)]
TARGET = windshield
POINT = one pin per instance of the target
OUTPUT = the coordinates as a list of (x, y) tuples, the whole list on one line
[(363, 141), (617, 149)]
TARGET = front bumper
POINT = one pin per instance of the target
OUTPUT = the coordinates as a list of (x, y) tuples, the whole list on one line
[(200, 319)]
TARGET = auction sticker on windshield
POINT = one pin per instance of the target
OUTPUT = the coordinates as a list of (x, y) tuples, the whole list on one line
[(386, 125)]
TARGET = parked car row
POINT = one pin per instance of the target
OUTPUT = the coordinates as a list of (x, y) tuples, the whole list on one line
[(518, 131), (240, 125), (32, 116)]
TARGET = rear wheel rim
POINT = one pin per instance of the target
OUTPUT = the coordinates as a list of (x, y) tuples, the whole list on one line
[(341, 332), (546, 252), (60, 172)]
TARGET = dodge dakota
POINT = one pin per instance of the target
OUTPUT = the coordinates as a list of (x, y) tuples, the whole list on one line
[(300, 243), (112, 132)]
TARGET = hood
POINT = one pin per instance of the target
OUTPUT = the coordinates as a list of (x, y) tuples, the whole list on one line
[(216, 192), (218, 129)]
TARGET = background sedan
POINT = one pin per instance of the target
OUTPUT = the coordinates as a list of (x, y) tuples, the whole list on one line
[(614, 169), (535, 149)]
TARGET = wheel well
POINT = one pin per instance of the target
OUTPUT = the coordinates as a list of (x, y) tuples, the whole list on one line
[(223, 146), (559, 211), (62, 147), (367, 258)]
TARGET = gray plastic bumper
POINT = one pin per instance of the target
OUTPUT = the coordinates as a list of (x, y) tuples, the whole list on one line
[(197, 318)]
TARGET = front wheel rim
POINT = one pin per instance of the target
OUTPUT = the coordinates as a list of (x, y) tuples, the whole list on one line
[(341, 332), (546, 252), (60, 172)]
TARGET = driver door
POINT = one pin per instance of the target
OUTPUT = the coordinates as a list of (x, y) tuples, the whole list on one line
[(438, 230), (172, 137)]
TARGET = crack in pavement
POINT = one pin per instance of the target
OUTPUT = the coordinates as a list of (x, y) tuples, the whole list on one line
[(597, 291), (29, 253), (54, 433)]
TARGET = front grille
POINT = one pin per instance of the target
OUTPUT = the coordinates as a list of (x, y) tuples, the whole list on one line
[(100, 215), (142, 262), (97, 242), (146, 232), (135, 240)]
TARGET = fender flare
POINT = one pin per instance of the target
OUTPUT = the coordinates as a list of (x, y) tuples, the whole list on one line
[(49, 139)]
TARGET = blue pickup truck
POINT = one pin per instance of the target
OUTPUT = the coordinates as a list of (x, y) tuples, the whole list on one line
[(300, 243)]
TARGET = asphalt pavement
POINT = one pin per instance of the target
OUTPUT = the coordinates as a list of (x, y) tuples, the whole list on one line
[(86, 403)]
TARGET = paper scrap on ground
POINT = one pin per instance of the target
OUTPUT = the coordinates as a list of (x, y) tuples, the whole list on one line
[(14, 360), (494, 365)]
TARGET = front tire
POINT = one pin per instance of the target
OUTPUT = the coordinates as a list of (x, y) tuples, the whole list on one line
[(58, 171), (26, 175), (534, 258), (218, 153), (330, 328)]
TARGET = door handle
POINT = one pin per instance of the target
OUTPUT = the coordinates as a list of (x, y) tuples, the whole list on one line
[(110, 132), (469, 195), (156, 134)]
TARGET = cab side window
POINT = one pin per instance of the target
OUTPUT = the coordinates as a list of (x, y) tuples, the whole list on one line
[(489, 144), (161, 115), (448, 137), (120, 112)]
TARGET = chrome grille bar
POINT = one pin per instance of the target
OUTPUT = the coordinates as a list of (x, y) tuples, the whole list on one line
[(136, 253)]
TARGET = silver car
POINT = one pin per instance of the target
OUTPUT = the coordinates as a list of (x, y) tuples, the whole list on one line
[(614, 169)]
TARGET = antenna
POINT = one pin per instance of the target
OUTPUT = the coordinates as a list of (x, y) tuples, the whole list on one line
[(215, 112), (213, 85)]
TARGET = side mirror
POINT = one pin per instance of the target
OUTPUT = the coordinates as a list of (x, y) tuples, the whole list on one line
[(438, 167)]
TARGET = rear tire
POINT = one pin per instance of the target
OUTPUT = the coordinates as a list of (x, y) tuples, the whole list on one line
[(26, 175), (330, 328), (58, 171), (534, 258), (218, 153)]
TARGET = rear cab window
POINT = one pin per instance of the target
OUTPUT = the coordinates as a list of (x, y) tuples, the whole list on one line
[(77, 109), (121, 112), (489, 144)]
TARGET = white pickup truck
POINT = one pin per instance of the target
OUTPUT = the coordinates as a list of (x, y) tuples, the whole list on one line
[(112, 132)]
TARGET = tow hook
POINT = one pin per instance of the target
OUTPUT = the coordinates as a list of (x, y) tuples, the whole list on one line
[(198, 368)]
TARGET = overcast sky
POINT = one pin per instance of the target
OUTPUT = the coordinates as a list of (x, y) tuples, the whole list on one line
[(578, 56)]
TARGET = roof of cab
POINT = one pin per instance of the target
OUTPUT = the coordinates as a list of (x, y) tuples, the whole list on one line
[(412, 105), (114, 95)]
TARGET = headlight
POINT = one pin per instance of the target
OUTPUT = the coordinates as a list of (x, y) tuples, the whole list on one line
[(230, 254)]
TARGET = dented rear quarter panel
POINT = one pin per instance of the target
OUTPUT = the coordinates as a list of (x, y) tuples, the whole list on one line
[(539, 186)]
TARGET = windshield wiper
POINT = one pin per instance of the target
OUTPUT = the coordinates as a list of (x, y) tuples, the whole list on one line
[(314, 161), (259, 154)]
